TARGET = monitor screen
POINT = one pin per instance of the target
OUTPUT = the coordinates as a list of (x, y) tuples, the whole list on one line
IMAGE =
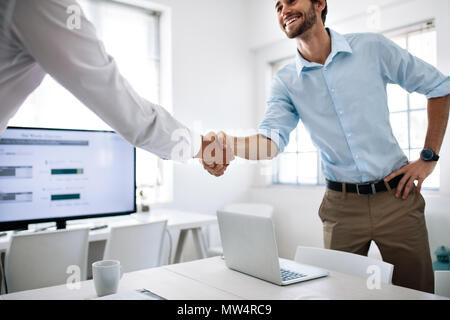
[(53, 174)]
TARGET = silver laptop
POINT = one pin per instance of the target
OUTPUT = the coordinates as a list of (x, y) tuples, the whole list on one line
[(249, 246)]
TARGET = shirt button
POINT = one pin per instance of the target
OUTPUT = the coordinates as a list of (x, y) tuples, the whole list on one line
[(341, 112), (356, 157), (325, 69), (332, 90), (349, 135)]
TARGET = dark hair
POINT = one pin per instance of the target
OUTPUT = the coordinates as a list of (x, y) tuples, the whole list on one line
[(325, 10)]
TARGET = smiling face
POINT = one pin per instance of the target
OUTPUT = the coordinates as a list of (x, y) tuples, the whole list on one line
[(296, 16)]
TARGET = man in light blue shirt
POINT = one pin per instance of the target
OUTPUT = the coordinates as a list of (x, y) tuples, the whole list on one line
[(337, 88)]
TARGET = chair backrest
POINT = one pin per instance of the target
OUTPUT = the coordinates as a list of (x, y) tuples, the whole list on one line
[(42, 259), (442, 283), (136, 246), (343, 262), (249, 208)]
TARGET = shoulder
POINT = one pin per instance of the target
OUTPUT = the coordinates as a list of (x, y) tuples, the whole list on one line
[(371, 44), (286, 73), (365, 39)]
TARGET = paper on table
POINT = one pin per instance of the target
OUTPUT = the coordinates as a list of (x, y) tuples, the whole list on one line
[(140, 294)]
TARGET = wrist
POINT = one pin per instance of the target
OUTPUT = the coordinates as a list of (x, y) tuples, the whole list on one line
[(200, 147), (429, 155)]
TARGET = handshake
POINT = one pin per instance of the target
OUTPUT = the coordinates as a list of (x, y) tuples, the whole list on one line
[(219, 149), (216, 153)]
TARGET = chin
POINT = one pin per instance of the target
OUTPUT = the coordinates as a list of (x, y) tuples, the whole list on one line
[(294, 34)]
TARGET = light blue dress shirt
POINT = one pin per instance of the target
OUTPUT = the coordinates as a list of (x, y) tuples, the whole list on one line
[(343, 104)]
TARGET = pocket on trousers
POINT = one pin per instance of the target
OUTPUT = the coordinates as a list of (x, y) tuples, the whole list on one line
[(322, 209), (418, 208)]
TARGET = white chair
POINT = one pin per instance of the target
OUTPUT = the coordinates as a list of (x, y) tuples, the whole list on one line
[(249, 208), (244, 208), (136, 246), (343, 262), (42, 259), (442, 283)]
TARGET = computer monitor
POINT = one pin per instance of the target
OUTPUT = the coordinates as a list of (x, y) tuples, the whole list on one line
[(59, 175)]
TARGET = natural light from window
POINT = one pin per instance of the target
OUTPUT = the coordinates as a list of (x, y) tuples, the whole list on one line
[(138, 59)]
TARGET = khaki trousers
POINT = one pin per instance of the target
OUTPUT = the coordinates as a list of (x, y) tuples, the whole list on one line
[(351, 222)]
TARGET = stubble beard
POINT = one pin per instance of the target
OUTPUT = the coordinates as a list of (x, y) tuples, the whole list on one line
[(310, 21)]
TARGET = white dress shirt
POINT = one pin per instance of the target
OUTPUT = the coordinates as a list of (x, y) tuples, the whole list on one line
[(35, 40)]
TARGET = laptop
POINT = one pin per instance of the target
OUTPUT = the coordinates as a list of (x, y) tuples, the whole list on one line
[(250, 247)]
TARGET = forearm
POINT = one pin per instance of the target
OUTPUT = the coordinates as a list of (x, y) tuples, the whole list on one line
[(438, 114), (255, 147)]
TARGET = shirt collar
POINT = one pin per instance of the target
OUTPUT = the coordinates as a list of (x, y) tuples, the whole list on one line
[(338, 44)]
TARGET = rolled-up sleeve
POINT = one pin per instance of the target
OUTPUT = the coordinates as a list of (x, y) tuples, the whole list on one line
[(280, 118), (76, 58), (400, 67)]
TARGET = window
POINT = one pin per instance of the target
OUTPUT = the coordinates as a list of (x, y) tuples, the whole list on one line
[(300, 163), (138, 59)]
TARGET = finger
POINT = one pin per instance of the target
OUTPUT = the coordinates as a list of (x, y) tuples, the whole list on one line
[(210, 165), (215, 168), (210, 135), (222, 139), (419, 186), (220, 169), (211, 171), (400, 186), (408, 188), (221, 173), (394, 174), (217, 173), (209, 149)]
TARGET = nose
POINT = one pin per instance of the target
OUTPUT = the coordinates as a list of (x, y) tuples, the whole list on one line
[(285, 12)]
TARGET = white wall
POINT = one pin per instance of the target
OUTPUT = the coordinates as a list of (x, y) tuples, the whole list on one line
[(296, 208), (211, 69), (211, 89)]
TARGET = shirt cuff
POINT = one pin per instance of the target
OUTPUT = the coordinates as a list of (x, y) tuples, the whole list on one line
[(274, 135), (196, 142), (441, 90)]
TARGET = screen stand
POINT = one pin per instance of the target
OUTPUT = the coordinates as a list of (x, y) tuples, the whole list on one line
[(60, 224)]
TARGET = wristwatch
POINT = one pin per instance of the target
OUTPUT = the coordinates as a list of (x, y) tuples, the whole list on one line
[(429, 155)]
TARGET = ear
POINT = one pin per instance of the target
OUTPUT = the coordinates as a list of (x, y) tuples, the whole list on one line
[(320, 6)]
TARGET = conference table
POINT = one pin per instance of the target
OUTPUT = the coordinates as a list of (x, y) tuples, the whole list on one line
[(179, 220), (184, 222), (210, 279)]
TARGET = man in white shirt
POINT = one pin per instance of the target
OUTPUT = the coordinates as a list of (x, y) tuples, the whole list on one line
[(35, 40)]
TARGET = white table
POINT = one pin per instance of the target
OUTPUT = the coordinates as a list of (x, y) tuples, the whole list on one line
[(210, 279), (182, 221)]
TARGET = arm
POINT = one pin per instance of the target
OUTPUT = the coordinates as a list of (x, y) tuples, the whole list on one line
[(438, 114), (78, 61), (415, 75), (257, 147)]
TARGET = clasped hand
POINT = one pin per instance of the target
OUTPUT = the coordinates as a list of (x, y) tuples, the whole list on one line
[(217, 153)]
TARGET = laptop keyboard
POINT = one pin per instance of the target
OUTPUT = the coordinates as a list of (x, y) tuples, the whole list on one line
[(287, 275)]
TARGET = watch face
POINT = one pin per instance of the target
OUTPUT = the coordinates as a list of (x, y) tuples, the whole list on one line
[(427, 155)]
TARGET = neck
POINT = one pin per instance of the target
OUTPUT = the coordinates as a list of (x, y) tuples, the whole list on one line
[(315, 44)]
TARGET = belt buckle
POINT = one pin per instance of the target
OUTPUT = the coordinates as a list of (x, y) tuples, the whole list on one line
[(372, 186)]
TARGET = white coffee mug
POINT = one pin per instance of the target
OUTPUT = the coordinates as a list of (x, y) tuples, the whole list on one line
[(106, 274)]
